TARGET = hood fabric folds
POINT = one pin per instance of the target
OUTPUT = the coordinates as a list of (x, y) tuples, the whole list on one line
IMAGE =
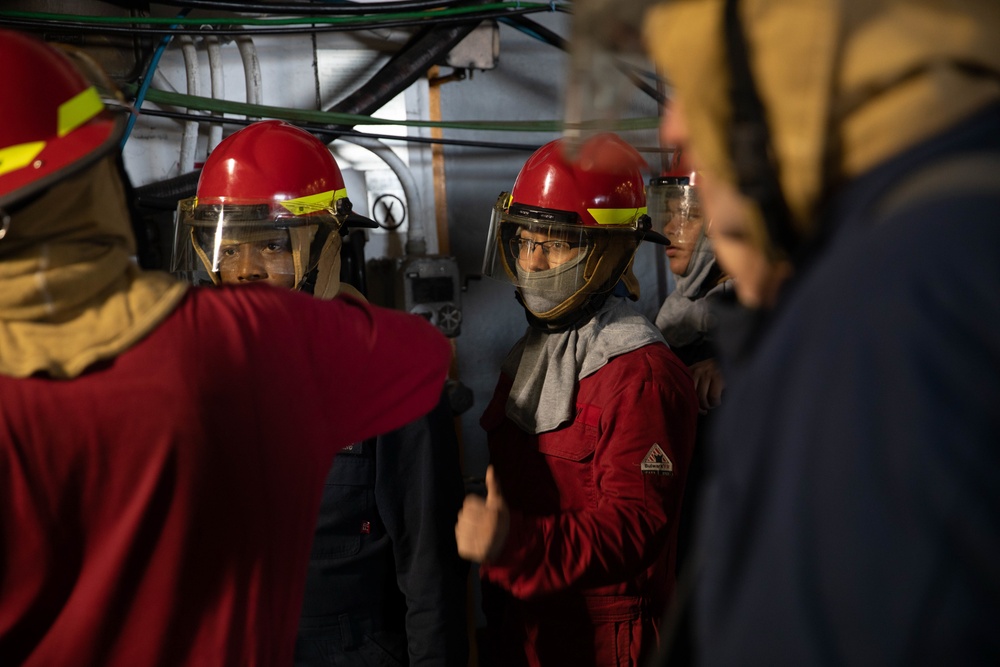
[(686, 315), (546, 367), (845, 84), (72, 294)]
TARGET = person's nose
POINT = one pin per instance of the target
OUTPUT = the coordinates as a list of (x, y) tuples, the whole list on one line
[(672, 229), (250, 267), (536, 261)]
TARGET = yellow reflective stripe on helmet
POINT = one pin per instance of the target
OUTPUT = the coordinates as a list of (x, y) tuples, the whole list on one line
[(311, 203), (616, 216), (78, 110), (21, 155)]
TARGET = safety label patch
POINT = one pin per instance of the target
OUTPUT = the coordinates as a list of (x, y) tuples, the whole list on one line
[(656, 462)]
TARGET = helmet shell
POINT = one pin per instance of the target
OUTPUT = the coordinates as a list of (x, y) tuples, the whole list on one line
[(680, 172), (603, 185), (268, 161), (54, 122)]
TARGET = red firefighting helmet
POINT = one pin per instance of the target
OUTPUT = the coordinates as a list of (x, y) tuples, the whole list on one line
[(270, 161), (593, 210), (268, 180), (601, 188), (53, 120), (680, 172)]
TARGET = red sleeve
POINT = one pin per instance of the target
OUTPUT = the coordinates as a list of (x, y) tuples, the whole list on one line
[(628, 528), (392, 365), (361, 370)]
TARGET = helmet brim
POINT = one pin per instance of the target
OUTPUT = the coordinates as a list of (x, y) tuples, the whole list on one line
[(654, 237), (65, 157), (355, 220)]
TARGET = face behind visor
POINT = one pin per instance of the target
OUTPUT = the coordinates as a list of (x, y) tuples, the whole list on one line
[(278, 243), (675, 209), (556, 264), (548, 267)]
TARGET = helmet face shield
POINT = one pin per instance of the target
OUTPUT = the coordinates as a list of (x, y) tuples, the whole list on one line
[(237, 242), (521, 245), (550, 257), (676, 211)]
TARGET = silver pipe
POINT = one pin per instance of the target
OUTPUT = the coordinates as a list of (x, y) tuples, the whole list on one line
[(218, 87), (416, 243), (189, 138)]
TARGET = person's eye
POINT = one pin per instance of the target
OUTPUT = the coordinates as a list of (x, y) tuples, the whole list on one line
[(229, 252), (275, 246), (558, 246)]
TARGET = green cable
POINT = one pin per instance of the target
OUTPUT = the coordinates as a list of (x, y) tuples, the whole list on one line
[(312, 20), (192, 102)]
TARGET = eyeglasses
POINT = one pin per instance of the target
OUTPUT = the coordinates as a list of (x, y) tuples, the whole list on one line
[(554, 250)]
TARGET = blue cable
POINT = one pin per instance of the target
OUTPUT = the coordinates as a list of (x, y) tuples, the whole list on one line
[(527, 31), (148, 79)]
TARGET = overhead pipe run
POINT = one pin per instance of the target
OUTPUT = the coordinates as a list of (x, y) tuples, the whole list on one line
[(406, 66), (416, 243), (409, 64)]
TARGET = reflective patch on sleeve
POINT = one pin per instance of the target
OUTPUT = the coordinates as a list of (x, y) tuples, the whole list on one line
[(656, 462)]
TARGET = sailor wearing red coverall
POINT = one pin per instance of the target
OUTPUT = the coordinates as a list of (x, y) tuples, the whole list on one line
[(590, 428), (162, 448)]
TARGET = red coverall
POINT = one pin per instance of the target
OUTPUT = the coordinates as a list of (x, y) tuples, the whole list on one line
[(159, 508), (588, 566)]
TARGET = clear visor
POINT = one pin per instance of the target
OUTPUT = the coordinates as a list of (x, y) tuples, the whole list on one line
[(238, 242), (543, 255), (676, 211)]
